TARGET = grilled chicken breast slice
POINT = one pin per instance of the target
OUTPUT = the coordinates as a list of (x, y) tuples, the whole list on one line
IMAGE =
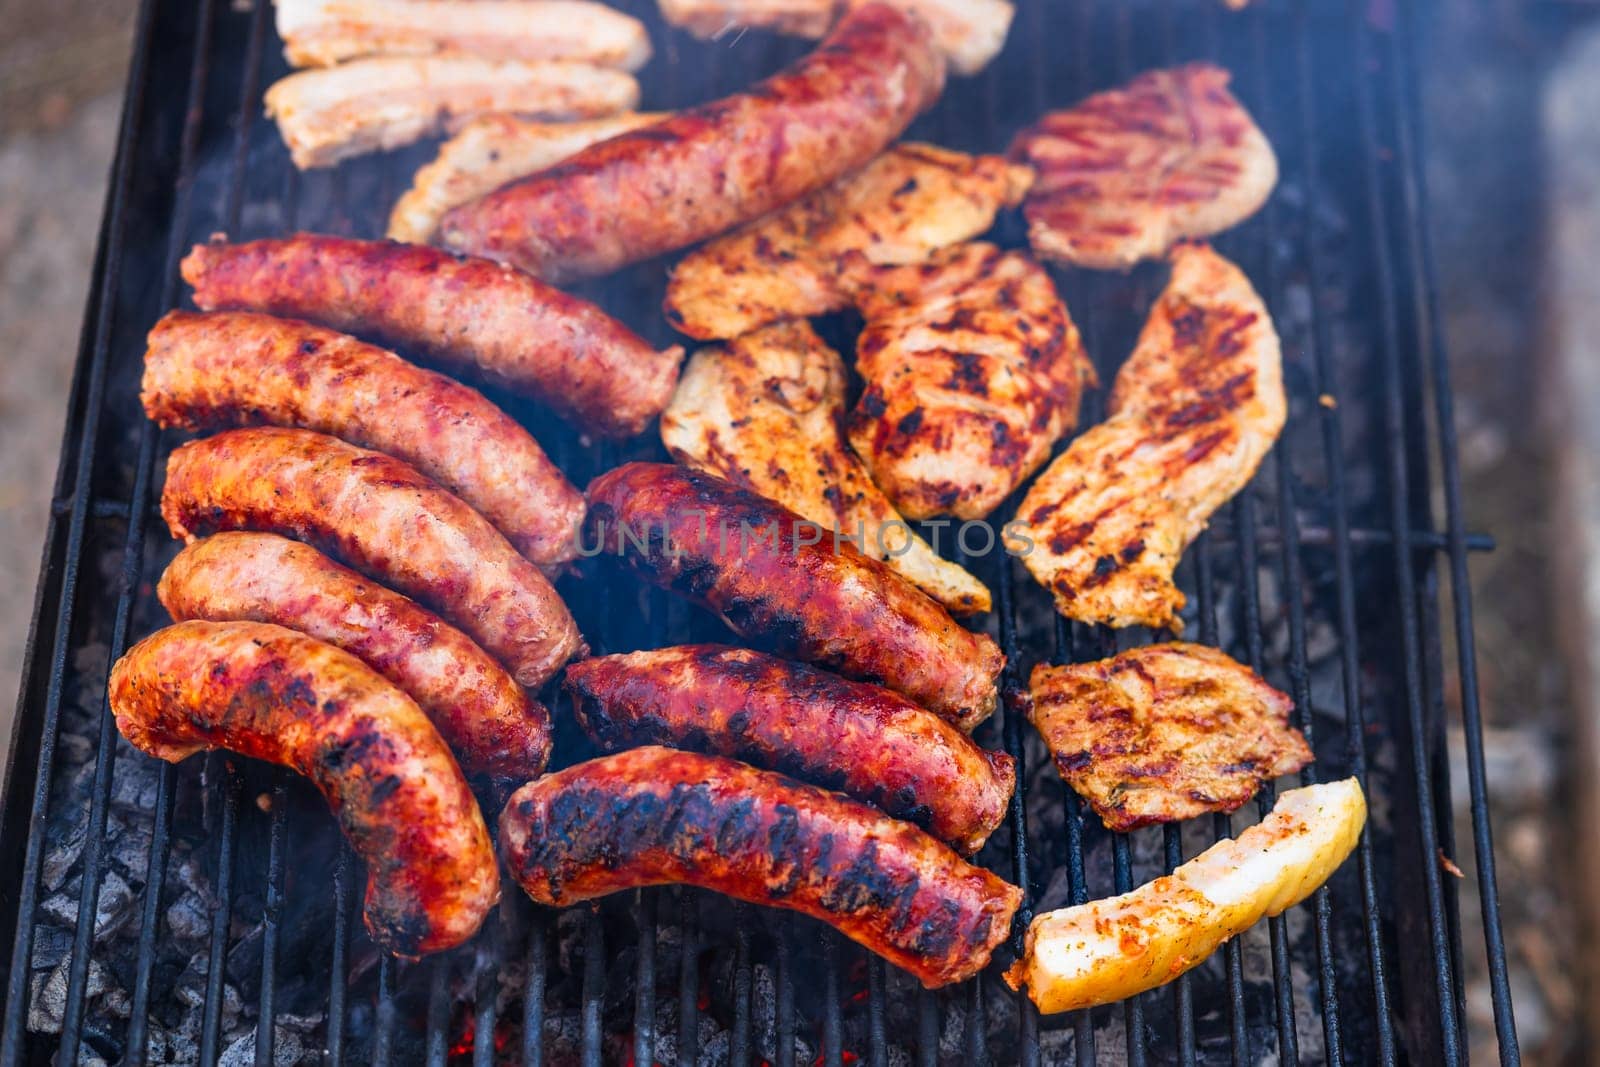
[(1193, 412), (490, 152), (969, 32), (1164, 732), (1128, 172), (973, 370), (763, 412), (372, 104), (320, 33), (900, 208)]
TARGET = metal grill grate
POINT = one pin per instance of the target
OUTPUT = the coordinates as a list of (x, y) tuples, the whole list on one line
[(1323, 575)]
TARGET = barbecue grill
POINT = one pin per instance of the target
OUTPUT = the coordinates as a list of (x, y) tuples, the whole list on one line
[(208, 911)]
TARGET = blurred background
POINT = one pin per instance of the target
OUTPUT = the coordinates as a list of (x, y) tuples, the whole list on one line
[(1513, 122)]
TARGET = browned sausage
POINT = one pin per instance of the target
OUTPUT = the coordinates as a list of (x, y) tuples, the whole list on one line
[(469, 315), (707, 169), (386, 520), (655, 815), (490, 722), (857, 738), (783, 582), (276, 695), (235, 368)]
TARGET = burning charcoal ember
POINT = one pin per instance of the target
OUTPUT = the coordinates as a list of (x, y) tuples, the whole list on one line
[(47, 1001), (68, 839), (135, 780), (188, 918), (287, 1049)]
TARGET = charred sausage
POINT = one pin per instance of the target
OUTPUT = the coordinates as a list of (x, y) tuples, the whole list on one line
[(710, 168), (273, 694), (862, 740), (490, 722), (240, 369), (782, 581), (385, 519), (468, 315), (655, 815)]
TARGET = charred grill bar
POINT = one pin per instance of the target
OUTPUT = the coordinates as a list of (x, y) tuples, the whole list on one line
[(1300, 577)]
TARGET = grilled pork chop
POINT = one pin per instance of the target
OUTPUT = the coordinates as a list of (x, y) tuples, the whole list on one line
[(900, 208), (1130, 171), (973, 369), (1193, 411), (1164, 732), (763, 412)]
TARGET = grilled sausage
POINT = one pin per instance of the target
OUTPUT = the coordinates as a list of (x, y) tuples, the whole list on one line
[(276, 695), (654, 815), (236, 368), (386, 520), (709, 168), (469, 315), (490, 723), (868, 742), (786, 583)]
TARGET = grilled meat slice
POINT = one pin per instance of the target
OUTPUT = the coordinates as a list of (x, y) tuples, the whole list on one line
[(710, 168), (272, 694), (900, 208), (763, 412), (1128, 172), (868, 742), (1164, 732), (369, 105), (1193, 411), (779, 580), (973, 370), (653, 816), (320, 33), (490, 152)]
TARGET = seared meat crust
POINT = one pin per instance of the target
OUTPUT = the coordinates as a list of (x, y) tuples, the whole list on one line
[(383, 518), (235, 368), (1193, 412), (1164, 732), (1128, 172), (973, 370), (469, 315), (709, 168), (763, 412), (652, 816), (492, 725), (867, 742), (900, 208), (272, 694), (781, 581)]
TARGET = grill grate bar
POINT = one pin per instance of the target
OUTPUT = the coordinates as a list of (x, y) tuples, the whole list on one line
[(272, 918), (383, 1038), (533, 998), (338, 964)]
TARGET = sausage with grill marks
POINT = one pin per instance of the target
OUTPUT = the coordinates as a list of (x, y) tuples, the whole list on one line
[(489, 721), (709, 168), (860, 739), (272, 694), (814, 598), (386, 520), (468, 315), (236, 368), (651, 816)]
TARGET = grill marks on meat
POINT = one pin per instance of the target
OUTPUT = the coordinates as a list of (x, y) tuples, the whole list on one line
[(900, 208), (862, 740), (490, 723), (469, 315), (710, 168), (781, 582), (273, 694), (763, 412), (652, 816), (240, 369), (1164, 732), (1128, 172), (1193, 412), (385, 519), (973, 370)]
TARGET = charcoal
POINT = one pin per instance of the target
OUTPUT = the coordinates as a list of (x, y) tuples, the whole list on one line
[(287, 1049), (188, 919), (47, 1000)]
